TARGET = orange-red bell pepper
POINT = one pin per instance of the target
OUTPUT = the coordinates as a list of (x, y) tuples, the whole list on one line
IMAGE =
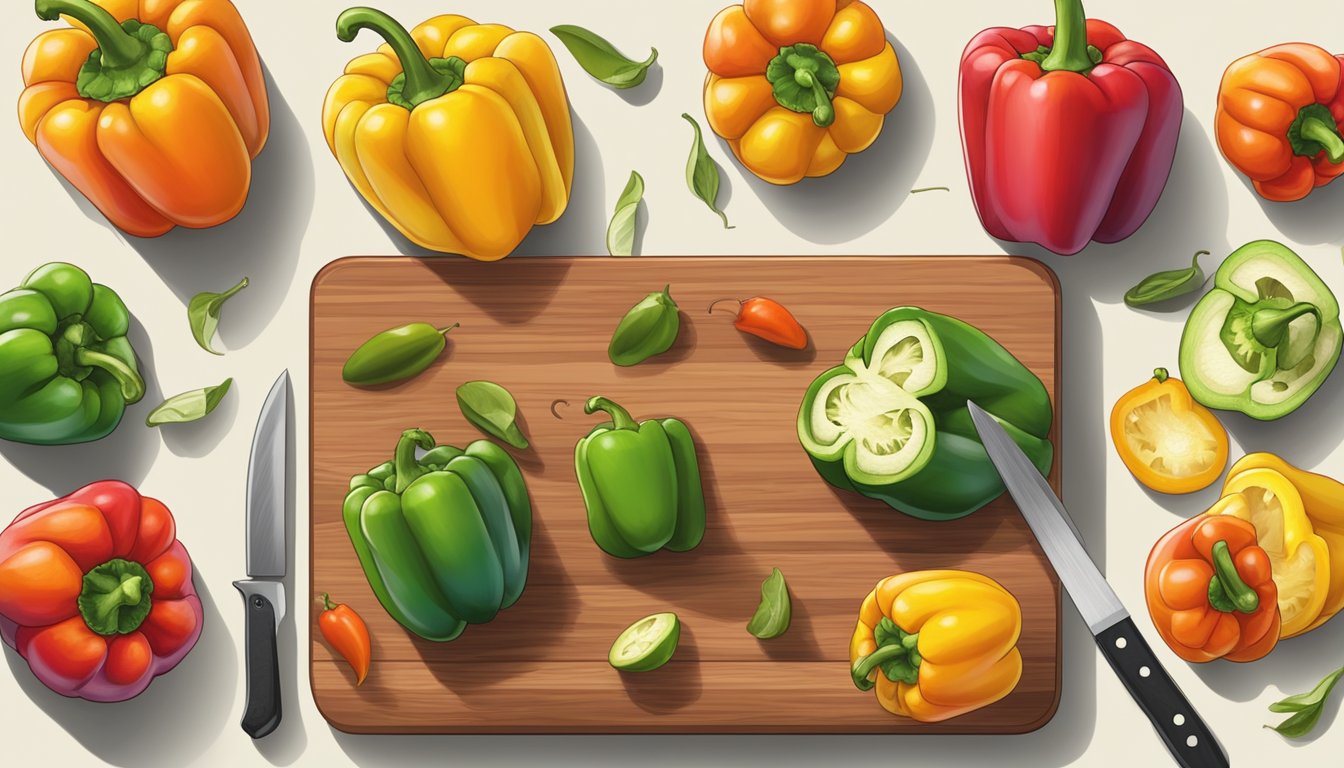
[(152, 109), (1211, 591), (96, 592), (1280, 117)]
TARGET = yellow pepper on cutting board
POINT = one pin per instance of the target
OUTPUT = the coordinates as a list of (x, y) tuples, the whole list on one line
[(937, 644), (1323, 503), (458, 133)]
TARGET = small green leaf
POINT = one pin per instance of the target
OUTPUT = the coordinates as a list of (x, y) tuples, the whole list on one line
[(776, 609), (188, 406), (702, 174), (1167, 284), (203, 314), (621, 231), (1306, 706), (600, 58), (491, 409)]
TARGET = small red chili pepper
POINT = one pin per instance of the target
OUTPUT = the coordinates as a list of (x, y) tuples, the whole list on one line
[(769, 320), (347, 633)]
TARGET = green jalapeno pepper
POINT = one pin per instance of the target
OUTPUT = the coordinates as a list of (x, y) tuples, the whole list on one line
[(396, 354), (649, 328)]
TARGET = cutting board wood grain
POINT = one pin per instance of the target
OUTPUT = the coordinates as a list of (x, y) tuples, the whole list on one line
[(540, 327)]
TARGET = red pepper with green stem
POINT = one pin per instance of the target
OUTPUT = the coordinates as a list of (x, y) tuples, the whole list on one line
[(1069, 131)]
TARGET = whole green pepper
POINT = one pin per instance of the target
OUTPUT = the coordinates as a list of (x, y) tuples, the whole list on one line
[(69, 371), (395, 354), (649, 328), (891, 422), (640, 483), (444, 539), (1265, 338)]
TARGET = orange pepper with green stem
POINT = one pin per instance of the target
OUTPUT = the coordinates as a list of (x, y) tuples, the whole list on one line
[(796, 86), (153, 110), (1280, 118)]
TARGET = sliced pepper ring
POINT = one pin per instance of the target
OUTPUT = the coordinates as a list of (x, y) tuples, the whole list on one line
[(1168, 442)]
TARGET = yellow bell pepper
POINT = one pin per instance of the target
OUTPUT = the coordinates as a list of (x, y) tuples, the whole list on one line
[(937, 644), (796, 86), (458, 133), (1299, 558), (1323, 500)]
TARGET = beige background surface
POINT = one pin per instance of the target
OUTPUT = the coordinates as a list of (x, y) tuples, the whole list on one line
[(302, 215)]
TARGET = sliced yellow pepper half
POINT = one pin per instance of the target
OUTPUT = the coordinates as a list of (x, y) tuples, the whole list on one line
[(1300, 559)]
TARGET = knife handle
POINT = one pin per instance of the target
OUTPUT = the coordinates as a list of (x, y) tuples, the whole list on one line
[(1188, 739), (262, 713)]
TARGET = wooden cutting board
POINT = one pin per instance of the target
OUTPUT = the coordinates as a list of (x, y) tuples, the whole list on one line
[(540, 327)]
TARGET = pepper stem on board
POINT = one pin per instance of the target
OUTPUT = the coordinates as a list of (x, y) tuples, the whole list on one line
[(422, 79), (620, 418), (1069, 52), (132, 384), (444, 331), (327, 605), (905, 649), (1270, 326), (408, 469), (1227, 591)]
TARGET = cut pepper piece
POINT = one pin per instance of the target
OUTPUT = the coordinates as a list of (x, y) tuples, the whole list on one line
[(1169, 442)]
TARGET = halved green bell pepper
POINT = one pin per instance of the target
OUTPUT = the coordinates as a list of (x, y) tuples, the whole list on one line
[(69, 371), (1265, 338), (640, 483), (444, 540), (891, 422)]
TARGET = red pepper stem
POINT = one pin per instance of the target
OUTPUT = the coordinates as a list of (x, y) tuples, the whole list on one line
[(1069, 51), (1226, 578), (1327, 136), (408, 468), (710, 311), (326, 602)]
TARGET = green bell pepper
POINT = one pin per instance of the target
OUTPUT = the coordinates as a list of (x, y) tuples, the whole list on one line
[(69, 371), (444, 539), (891, 422), (1265, 338), (640, 483)]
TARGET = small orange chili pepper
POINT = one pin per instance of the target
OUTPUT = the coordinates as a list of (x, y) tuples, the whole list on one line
[(769, 320), (347, 633)]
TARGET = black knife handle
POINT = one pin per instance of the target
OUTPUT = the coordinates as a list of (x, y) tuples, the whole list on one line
[(1189, 740), (262, 714)]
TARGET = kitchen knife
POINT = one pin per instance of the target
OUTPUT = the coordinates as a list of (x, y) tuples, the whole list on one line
[(1188, 739), (264, 593)]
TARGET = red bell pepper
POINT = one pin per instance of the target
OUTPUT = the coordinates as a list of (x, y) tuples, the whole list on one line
[(96, 592), (1068, 131)]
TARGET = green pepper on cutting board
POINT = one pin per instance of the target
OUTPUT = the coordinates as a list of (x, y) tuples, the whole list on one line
[(640, 483), (69, 371), (891, 421), (395, 354), (444, 539), (1265, 338)]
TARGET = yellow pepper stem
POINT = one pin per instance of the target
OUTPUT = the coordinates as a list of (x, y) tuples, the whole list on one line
[(421, 78), (897, 657)]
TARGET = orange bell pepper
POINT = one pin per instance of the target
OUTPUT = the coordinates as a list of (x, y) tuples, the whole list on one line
[(152, 109), (1169, 442), (795, 86), (1280, 113), (1211, 591)]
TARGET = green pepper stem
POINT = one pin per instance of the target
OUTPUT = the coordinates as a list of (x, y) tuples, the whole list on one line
[(326, 602), (232, 291), (444, 331), (423, 82), (1226, 579), (1327, 136), (408, 469), (620, 418), (1161, 374), (132, 385), (118, 47), (863, 667), (824, 114), (1069, 51), (1270, 326)]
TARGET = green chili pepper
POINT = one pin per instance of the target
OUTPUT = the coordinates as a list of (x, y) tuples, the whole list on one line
[(640, 483), (648, 329), (1167, 284), (396, 354)]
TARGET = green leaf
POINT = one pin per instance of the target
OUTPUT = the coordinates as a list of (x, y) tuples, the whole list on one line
[(203, 314), (1167, 284), (1306, 706), (600, 58), (776, 609), (621, 230), (188, 406), (491, 409), (702, 174)]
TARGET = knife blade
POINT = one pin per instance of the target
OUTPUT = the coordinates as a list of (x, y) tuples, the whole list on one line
[(1188, 739), (264, 592)]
